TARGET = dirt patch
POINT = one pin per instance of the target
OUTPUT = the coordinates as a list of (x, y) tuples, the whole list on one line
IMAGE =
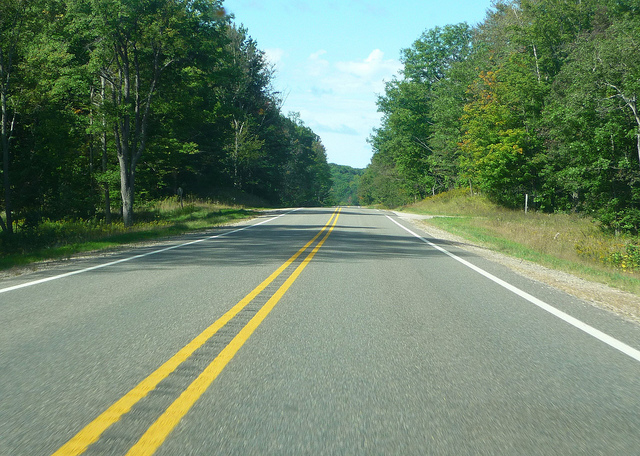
[(620, 302)]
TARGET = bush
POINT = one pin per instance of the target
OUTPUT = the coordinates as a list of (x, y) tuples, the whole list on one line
[(623, 256), (627, 260), (627, 221)]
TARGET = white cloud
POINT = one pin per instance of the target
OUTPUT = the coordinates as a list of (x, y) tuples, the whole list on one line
[(316, 55), (373, 66), (359, 76), (316, 65), (275, 56)]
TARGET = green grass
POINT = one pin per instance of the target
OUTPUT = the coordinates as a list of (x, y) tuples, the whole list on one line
[(62, 239), (566, 242)]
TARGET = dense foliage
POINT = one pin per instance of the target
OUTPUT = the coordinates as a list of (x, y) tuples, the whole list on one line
[(540, 99), (346, 180), (106, 101)]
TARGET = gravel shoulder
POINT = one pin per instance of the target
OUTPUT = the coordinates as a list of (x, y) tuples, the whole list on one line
[(620, 302)]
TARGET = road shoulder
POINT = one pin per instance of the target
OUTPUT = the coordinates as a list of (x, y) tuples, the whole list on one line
[(625, 304)]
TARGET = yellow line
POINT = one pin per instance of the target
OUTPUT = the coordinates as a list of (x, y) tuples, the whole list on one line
[(160, 430), (92, 432)]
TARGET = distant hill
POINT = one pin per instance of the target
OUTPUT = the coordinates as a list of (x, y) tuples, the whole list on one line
[(345, 184)]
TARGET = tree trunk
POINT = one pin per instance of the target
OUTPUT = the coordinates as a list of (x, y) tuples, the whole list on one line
[(137, 58), (6, 130), (5, 163), (535, 55), (238, 129), (127, 176), (634, 108), (638, 143), (107, 199), (127, 191), (131, 131), (631, 102)]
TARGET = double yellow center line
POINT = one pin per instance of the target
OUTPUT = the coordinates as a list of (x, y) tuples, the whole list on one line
[(157, 433)]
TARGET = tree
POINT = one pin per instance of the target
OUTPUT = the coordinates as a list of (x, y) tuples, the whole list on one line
[(494, 141), (306, 178), (593, 129), (617, 62), (13, 28), (135, 43), (408, 110), (405, 130), (36, 93), (449, 97), (431, 56), (346, 180), (249, 97), (381, 184), (168, 88)]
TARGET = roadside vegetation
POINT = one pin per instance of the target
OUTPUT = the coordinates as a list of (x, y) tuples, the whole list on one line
[(114, 108), (56, 239), (573, 243), (108, 105), (539, 100), (536, 103)]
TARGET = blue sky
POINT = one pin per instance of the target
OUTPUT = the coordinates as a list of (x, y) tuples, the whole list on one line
[(332, 57)]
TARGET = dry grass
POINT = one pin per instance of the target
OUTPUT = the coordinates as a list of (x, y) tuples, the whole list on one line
[(157, 219), (552, 234), (457, 203)]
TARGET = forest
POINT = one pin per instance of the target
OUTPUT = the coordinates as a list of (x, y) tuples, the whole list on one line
[(106, 103), (538, 101), (345, 182)]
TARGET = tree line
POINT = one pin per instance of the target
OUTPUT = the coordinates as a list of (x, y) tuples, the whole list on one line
[(344, 190), (539, 99), (107, 102)]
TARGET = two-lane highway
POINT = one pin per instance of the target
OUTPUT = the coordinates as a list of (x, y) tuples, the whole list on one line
[(311, 331)]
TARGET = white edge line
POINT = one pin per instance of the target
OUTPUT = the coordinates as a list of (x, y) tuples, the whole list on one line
[(111, 263), (607, 339)]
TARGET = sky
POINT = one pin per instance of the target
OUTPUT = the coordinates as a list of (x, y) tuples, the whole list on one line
[(332, 58)]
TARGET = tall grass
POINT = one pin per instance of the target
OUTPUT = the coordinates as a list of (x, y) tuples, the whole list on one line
[(62, 238), (570, 242)]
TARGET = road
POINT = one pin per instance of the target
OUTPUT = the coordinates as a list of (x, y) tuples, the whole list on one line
[(309, 331)]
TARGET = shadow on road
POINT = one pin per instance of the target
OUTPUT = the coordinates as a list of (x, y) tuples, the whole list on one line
[(275, 243), (271, 243)]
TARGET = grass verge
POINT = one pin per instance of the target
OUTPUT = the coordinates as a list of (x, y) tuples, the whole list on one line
[(62, 239), (566, 242)]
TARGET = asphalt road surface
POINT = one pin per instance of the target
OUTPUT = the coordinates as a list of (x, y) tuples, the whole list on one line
[(312, 331)]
